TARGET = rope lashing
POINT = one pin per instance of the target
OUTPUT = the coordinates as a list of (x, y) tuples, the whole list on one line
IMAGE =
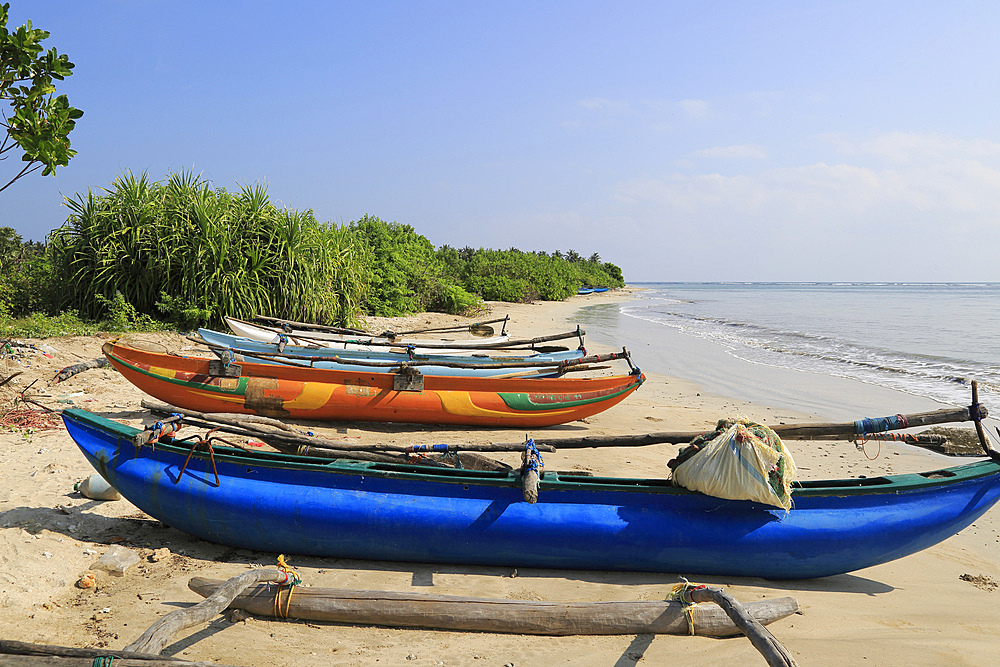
[(427, 448), (976, 412), (682, 593), (870, 425), (227, 358), (159, 429), (292, 579), (531, 465), (411, 351), (103, 660), (531, 457), (878, 452), (417, 452), (282, 342), (453, 456)]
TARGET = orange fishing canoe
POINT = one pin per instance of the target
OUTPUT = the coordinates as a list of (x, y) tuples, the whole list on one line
[(322, 394)]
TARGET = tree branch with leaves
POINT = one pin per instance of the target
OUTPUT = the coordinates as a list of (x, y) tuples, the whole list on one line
[(39, 122)]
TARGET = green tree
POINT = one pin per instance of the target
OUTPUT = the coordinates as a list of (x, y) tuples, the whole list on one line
[(26, 283), (407, 275), (41, 121)]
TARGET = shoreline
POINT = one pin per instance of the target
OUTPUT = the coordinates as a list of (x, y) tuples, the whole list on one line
[(50, 535), (809, 395)]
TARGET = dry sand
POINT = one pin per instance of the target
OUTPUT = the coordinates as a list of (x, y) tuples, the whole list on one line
[(940, 606)]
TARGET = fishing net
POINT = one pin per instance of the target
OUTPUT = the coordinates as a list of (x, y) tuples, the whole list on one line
[(740, 460)]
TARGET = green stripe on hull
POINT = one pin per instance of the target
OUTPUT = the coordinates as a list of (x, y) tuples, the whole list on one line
[(522, 400), (239, 390)]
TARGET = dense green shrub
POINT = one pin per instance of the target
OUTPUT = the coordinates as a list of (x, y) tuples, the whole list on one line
[(405, 273), (514, 275), (40, 325), (182, 247), (182, 251), (26, 281)]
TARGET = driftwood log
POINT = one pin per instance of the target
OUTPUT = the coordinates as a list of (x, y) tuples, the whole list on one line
[(99, 659), (18, 654), (160, 633), (449, 612), (761, 638), (70, 371)]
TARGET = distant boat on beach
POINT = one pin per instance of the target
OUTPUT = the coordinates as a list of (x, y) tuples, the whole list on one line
[(477, 364), (371, 394), (316, 336)]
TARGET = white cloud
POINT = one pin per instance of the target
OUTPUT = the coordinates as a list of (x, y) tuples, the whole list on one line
[(740, 152), (929, 181), (907, 147), (605, 105), (694, 108)]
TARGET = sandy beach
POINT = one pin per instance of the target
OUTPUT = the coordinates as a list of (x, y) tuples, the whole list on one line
[(939, 606)]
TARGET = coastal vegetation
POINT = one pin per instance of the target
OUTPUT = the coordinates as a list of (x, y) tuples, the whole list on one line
[(180, 253)]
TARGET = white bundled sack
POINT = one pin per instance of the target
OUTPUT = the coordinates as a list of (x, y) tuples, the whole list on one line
[(744, 461)]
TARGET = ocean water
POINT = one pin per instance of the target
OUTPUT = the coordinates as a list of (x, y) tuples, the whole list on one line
[(926, 340)]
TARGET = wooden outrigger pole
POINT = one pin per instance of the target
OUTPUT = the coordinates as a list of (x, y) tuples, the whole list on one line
[(789, 431)]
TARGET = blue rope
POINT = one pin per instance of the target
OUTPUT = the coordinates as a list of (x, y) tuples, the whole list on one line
[(157, 427), (879, 424), (427, 448), (532, 456)]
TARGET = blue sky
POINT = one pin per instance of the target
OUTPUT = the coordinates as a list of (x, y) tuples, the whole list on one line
[(753, 141)]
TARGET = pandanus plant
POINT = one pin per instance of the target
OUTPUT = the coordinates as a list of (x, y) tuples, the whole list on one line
[(183, 243)]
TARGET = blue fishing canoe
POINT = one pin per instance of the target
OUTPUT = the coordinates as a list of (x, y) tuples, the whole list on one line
[(352, 360), (379, 511)]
